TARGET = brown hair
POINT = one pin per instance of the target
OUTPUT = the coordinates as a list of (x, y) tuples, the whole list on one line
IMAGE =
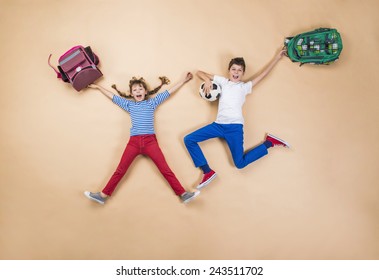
[(141, 81), (238, 61)]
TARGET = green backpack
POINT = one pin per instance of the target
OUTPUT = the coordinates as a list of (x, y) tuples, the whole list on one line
[(321, 46)]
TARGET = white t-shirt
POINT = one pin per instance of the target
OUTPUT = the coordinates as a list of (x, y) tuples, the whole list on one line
[(231, 100)]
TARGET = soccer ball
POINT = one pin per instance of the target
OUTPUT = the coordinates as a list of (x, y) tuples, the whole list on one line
[(214, 93)]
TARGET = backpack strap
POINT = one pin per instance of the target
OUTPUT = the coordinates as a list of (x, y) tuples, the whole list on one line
[(94, 58), (59, 75)]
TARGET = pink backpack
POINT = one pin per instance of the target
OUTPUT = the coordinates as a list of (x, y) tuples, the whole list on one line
[(78, 66)]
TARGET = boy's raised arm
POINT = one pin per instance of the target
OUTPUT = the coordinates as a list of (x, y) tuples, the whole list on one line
[(268, 68)]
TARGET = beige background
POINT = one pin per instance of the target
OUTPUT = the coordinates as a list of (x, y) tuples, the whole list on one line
[(318, 200)]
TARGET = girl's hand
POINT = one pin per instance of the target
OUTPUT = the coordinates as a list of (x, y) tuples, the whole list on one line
[(188, 77), (181, 82), (94, 86)]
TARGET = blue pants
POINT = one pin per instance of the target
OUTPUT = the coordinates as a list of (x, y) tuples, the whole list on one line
[(233, 135)]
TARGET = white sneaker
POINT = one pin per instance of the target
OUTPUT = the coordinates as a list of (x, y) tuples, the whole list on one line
[(95, 197), (188, 196)]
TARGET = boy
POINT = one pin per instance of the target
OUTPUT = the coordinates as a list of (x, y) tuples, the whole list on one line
[(229, 121)]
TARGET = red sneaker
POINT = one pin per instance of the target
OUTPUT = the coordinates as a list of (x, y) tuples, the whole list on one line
[(276, 141), (207, 178)]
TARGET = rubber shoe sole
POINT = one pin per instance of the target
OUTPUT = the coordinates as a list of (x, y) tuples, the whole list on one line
[(87, 194), (202, 185), (192, 197), (280, 140)]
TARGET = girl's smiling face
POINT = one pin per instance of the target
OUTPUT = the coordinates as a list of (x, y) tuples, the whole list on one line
[(138, 92), (236, 73)]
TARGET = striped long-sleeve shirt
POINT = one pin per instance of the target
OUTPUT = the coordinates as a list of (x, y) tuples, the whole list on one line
[(141, 113)]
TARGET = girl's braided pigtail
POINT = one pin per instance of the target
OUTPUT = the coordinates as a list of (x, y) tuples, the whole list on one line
[(164, 81), (121, 93)]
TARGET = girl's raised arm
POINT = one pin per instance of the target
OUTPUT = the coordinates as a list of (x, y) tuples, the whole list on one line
[(179, 84), (104, 91)]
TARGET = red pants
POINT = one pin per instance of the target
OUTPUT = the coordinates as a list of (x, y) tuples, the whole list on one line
[(143, 145)]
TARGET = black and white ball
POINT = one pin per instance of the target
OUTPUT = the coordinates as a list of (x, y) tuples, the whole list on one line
[(213, 94)]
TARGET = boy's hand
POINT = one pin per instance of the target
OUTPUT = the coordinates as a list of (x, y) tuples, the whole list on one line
[(281, 53), (207, 86)]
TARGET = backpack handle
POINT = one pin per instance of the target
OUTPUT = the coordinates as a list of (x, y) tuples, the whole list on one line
[(59, 75)]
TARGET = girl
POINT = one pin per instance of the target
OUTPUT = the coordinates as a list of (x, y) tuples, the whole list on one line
[(142, 134)]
